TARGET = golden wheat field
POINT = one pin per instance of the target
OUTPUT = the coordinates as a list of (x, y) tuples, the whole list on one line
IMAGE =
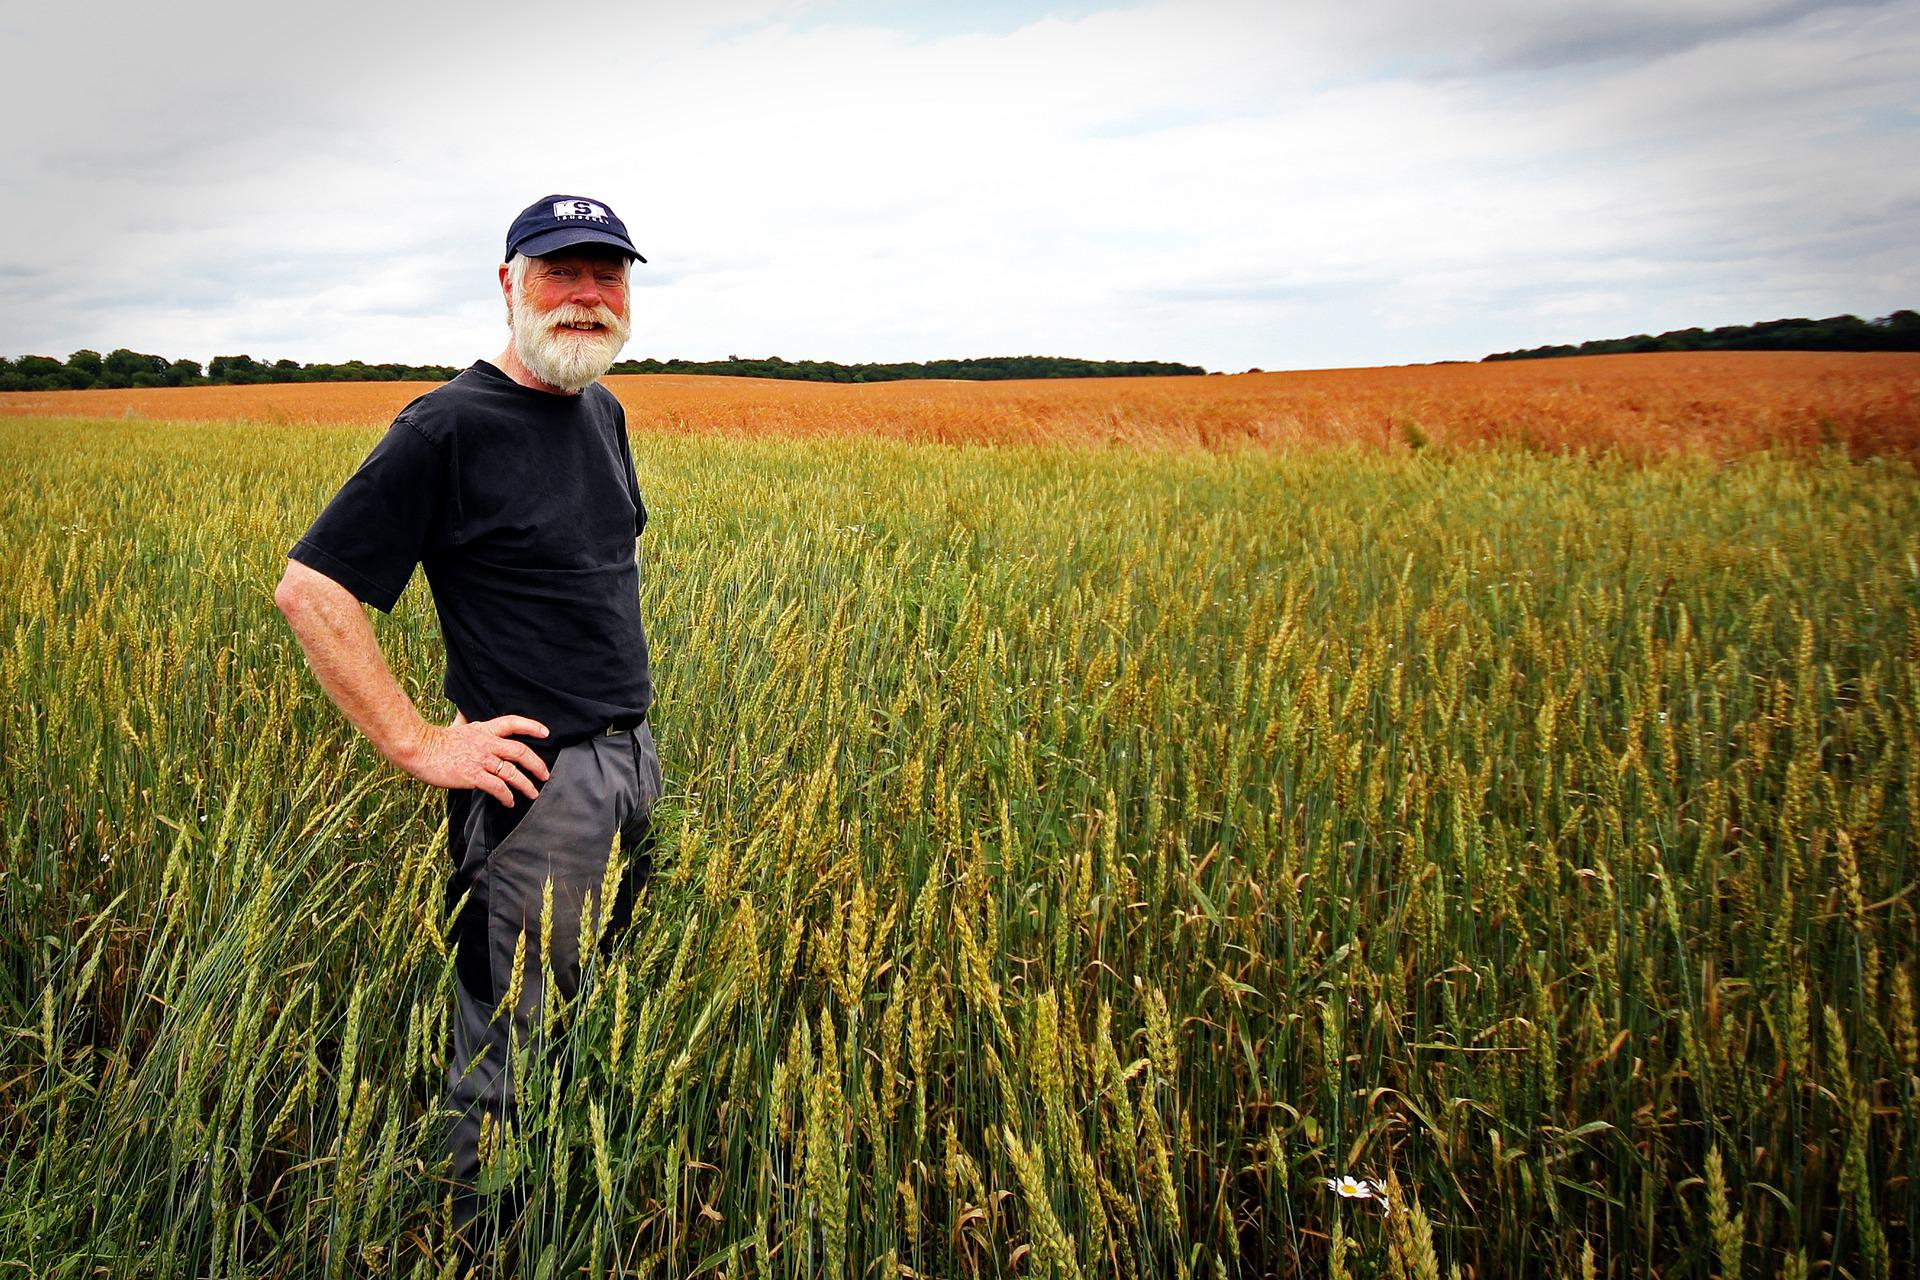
[(1721, 403), (1075, 861)]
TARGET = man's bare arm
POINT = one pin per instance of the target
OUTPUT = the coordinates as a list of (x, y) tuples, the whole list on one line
[(332, 628)]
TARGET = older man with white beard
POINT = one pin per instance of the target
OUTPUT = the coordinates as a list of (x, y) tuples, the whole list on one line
[(514, 486)]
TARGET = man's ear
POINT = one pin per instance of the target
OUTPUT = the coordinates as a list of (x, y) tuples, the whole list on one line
[(506, 292)]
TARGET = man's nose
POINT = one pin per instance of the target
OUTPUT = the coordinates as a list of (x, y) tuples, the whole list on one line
[(587, 293)]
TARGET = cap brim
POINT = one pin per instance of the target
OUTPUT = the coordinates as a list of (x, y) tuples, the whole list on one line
[(569, 237)]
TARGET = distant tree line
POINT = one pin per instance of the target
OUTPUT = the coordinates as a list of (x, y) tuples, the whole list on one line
[(85, 369), (977, 369), (1897, 332)]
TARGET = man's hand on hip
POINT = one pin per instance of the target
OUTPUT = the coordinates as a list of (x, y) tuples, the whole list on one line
[(332, 628), (479, 754)]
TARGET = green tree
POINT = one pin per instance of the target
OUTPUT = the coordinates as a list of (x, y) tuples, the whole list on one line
[(235, 369), (41, 373), (86, 363), (122, 367)]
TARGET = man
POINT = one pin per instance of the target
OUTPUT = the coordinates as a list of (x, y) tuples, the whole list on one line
[(514, 486)]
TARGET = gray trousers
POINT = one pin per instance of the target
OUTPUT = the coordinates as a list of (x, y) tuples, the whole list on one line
[(598, 789)]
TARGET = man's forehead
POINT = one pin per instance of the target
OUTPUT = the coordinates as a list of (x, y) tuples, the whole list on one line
[(597, 254)]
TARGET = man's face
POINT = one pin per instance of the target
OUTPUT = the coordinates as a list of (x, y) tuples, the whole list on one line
[(570, 320)]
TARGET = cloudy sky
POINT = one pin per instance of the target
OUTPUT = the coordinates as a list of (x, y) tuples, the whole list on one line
[(1288, 185)]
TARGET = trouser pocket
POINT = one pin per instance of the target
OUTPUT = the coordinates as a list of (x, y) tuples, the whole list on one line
[(466, 891), (646, 758), (637, 841)]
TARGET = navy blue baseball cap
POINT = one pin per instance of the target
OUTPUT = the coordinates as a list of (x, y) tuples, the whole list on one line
[(553, 223)]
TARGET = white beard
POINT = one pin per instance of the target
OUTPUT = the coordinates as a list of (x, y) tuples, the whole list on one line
[(567, 358)]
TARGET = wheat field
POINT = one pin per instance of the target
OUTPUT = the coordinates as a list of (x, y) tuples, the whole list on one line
[(1719, 403), (1072, 857)]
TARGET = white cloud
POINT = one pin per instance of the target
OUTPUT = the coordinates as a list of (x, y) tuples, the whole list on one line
[(1229, 183)]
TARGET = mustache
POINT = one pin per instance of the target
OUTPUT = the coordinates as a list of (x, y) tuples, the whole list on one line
[(571, 314)]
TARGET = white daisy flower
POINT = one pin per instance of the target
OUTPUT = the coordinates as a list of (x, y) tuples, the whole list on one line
[(1352, 1188)]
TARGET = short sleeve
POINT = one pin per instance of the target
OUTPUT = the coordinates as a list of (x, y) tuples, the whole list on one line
[(639, 504), (383, 520), (633, 480)]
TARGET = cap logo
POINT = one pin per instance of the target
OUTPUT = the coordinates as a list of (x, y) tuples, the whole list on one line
[(580, 209)]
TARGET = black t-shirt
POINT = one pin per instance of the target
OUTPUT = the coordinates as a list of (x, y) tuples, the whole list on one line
[(523, 507)]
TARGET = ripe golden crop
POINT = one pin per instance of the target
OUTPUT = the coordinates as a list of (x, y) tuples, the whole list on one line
[(1719, 403)]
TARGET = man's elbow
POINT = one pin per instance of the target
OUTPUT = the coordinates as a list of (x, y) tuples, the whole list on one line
[(287, 596), (301, 588)]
